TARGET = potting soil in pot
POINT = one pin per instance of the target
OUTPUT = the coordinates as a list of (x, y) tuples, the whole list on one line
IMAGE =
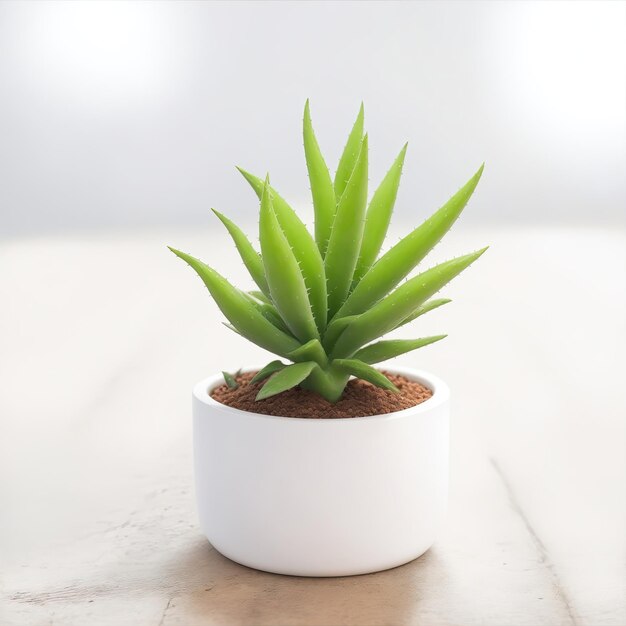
[(360, 399)]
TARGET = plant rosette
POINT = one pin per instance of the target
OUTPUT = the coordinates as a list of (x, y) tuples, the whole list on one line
[(341, 496)]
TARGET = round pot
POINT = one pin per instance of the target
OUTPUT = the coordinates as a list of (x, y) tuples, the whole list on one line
[(321, 497)]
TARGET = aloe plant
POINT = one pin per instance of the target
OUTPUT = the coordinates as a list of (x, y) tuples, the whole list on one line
[(323, 301)]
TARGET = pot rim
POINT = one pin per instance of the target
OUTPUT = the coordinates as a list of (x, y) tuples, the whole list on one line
[(441, 394)]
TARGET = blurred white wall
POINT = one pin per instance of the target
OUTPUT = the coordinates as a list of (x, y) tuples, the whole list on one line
[(124, 114)]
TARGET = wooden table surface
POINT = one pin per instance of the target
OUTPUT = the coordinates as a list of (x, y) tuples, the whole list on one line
[(102, 337)]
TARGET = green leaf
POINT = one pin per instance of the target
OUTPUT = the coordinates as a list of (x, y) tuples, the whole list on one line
[(231, 327), (285, 379), (389, 312), (346, 234), (349, 156), (239, 311), (334, 330), (378, 217), (230, 380), (267, 371), (393, 266), (310, 351), (269, 312), (283, 274), (250, 257), (259, 295), (431, 305), (383, 350), (304, 249), (364, 371), (321, 184)]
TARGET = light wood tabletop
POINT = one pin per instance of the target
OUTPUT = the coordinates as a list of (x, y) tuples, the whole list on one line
[(101, 339)]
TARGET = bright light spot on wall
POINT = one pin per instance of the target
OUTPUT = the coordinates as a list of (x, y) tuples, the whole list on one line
[(100, 54), (569, 64)]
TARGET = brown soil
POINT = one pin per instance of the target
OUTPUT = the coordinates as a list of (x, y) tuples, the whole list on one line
[(359, 399)]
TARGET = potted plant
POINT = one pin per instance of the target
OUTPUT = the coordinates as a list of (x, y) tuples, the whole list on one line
[(320, 464)]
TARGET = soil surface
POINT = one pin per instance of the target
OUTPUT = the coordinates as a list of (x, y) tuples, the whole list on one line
[(359, 399)]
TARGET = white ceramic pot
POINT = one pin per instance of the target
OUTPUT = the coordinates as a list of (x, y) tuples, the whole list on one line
[(321, 497)]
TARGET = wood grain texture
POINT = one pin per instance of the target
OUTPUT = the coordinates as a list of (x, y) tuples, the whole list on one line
[(102, 338)]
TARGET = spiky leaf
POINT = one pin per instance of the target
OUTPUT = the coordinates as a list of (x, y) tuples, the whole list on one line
[(267, 371), (239, 311), (378, 217), (397, 306), (259, 295), (350, 155), (231, 327), (364, 371), (310, 351), (383, 350), (283, 274), (304, 249), (250, 257), (431, 305), (392, 267), (335, 328), (269, 312), (230, 381), (346, 235), (285, 379), (321, 184)]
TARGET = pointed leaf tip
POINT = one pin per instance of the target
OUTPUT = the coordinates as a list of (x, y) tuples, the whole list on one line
[(366, 372), (303, 247), (378, 217), (178, 253), (384, 350), (285, 279), (239, 310), (392, 310), (347, 232), (220, 216), (322, 190), (398, 261), (349, 155), (285, 379), (267, 371), (253, 181), (230, 381)]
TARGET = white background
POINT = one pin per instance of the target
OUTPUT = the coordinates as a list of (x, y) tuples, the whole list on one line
[(133, 114)]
